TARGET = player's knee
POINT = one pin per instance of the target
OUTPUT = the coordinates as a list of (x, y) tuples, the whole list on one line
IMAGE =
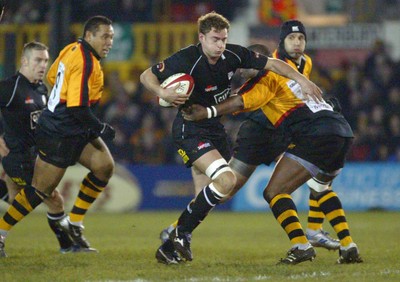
[(225, 182), (104, 170), (270, 192), (268, 196), (221, 175)]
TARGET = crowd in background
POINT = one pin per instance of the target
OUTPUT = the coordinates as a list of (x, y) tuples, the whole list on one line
[(369, 92), (33, 11)]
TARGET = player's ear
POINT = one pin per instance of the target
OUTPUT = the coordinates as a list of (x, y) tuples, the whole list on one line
[(88, 36), (201, 37), (24, 60)]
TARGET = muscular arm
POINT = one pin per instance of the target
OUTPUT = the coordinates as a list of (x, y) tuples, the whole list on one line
[(150, 81), (309, 89), (197, 112)]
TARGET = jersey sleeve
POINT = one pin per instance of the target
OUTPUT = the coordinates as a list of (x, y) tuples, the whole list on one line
[(248, 59), (176, 63), (256, 92)]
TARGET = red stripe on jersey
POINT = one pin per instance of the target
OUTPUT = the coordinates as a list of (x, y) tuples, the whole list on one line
[(285, 115), (248, 85)]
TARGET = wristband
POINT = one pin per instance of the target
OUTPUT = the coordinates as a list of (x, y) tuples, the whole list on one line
[(211, 112), (214, 111)]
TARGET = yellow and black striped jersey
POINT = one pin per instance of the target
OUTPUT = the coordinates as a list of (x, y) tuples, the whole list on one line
[(280, 100), (76, 76), (77, 80), (275, 95)]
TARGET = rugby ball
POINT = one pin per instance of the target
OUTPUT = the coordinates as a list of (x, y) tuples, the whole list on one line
[(186, 85)]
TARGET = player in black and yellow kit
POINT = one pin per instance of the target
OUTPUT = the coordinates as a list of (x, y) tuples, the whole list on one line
[(68, 132), (280, 115), (22, 98), (291, 49)]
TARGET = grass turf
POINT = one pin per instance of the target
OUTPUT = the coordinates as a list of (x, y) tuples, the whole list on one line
[(227, 247)]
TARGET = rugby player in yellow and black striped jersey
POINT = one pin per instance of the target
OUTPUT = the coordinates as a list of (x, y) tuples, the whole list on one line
[(68, 132), (291, 49), (281, 115)]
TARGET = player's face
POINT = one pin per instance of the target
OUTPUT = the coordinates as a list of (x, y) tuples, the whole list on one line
[(102, 40), (213, 43), (34, 64), (295, 44)]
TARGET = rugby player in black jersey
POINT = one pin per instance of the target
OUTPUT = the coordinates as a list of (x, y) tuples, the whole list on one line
[(320, 138), (203, 145), (22, 99)]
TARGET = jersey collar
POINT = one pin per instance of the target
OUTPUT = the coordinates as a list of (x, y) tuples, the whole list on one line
[(86, 45)]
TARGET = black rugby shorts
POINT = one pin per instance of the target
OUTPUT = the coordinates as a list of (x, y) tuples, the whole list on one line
[(19, 167), (257, 144), (59, 151), (192, 142), (327, 152)]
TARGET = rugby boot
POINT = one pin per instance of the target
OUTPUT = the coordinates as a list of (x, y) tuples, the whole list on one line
[(181, 241), (166, 254), (349, 254), (323, 240), (296, 255)]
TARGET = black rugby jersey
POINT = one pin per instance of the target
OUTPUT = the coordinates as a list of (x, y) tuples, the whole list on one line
[(212, 82), (21, 104)]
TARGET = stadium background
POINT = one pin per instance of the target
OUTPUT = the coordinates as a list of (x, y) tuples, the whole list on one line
[(355, 46)]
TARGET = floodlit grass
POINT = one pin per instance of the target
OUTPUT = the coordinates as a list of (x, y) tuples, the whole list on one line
[(226, 247)]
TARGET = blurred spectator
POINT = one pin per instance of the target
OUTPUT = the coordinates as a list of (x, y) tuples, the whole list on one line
[(394, 133), (27, 11), (134, 11), (147, 142), (377, 57), (345, 87)]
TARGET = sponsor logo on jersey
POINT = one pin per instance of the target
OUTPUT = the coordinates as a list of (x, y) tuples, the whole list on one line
[(29, 100), (222, 96), (210, 88), (160, 66), (183, 155), (34, 118), (203, 145)]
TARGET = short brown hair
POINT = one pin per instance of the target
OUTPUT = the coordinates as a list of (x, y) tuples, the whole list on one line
[(212, 20), (34, 45)]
